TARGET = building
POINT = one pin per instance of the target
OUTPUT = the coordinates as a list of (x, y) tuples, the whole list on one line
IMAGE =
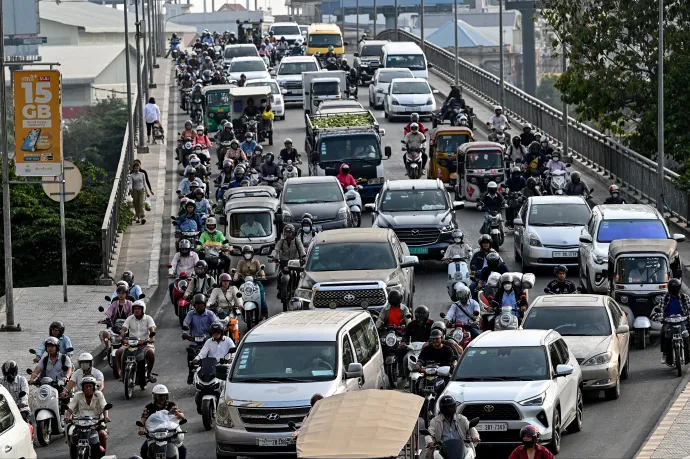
[(219, 21)]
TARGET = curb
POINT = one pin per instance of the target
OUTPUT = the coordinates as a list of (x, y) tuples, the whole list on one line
[(673, 410)]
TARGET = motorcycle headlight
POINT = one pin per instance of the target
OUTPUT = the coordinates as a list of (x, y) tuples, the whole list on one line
[(391, 339), (237, 251), (658, 299), (287, 218), (211, 115), (159, 435), (265, 250), (448, 228), (600, 359), (223, 415), (473, 179), (624, 299), (534, 401), (342, 213), (534, 240)]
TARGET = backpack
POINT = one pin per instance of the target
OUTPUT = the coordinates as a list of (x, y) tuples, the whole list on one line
[(45, 364)]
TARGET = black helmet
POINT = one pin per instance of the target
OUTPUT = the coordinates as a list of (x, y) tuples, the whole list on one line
[(516, 140), (216, 327), (439, 325), (10, 370), (515, 172), (560, 269), (674, 287), (493, 260), (202, 266), (394, 298), (199, 298), (531, 182), (484, 238), (436, 334), (57, 325), (421, 313), (128, 276), (447, 404), (248, 249), (575, 177), (534, 148)]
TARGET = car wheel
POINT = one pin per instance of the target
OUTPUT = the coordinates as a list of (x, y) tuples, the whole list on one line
[(385, 112), (371, 104), (625, 374), (555, 443), (576, 425), (615, 392), (640, 338), (523, 266)]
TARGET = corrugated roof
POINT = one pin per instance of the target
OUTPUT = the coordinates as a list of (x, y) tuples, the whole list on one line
[(94, 18), (468, 36)]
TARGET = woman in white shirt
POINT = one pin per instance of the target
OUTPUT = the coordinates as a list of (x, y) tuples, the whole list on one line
[(151, 114), (138, 192)]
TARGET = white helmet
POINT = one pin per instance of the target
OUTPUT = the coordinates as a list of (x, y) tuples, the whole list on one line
[(89, 380), (141, 304), (85, 357), (498, 107), (160, 389)]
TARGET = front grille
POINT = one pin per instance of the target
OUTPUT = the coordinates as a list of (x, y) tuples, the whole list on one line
[(255, 449), (292, 85), (509, 436), (500, 412), (418, 236), (272, 418), (483, 181), (412, 105), (349, 298)]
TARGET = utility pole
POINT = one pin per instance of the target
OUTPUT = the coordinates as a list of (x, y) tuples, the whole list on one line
[(565, 107), (357, 14), (456, 43), (130, 111), (375, 19), (500, 44), (142, 148), (660, 114), (395, 22), (421, 20)]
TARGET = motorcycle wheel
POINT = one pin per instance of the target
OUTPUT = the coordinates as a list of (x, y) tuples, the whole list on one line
[(249, 319), (678, 359), (390, 373), (208, 414), (495, 242), (287, 305), (270, 138), (640, 338), (183, 313), (84, 453), (356, 219), (128, 382), (43, 432)]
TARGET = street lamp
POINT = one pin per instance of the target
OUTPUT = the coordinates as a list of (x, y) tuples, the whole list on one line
[(660, 113), (456, 43), (500, 44)]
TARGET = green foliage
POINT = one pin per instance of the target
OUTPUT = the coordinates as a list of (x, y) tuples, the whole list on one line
[(9, 109), (547, 92)]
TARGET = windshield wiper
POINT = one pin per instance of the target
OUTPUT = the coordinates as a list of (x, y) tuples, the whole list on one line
[(482, 379), (567, 224), (273, 380)]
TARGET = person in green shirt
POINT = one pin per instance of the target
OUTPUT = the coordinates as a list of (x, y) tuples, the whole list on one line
[(213, 236)]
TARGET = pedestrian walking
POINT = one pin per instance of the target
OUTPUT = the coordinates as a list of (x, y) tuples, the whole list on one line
[(151, 114), (139, 180)]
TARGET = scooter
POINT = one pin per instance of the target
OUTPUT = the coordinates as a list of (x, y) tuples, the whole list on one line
[(354, 201), (229, 320), (413, 158), (113, 341), (290, 170), (251, 295), (48, 408), (495, 228), (391, 342), (506, 320), (557, 182), (414, 349), (186, 149), (163, 434), (453, 449), (433, 384), (677, 334), (82, 437), (135, 367), (457, 272), (197, 110), (273, 181), (209, 381)]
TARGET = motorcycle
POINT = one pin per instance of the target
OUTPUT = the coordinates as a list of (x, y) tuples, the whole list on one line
[(557, 182), (48, 408), (498, 136), (229, 320), (433, 384), (251, 295), (223, 147), (186, 149), (353, 91), (391, 342), (209, 380), (187, 99), (206, 77), (514, 201), (113, 341), (135, 368), (179, 287), (288, 285), (354, 201), (494, 228), (413, 351), (254, 177), (413, 157), (273, 181), (289, 170), (453, 449), (163, 435), (205, 156), (214, 256), (83, 437), (459, 331), (457, 272), (190, 234), (677, 333), (174, 50), (506, 320), (197, 110), (251, 124)]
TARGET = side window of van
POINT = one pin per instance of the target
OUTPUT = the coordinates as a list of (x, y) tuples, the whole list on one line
[(365, 340), (6, 418), (347, 353)]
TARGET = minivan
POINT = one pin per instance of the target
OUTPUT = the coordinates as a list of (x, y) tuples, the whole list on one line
[(405, 54), (321, 36), (280, 364)]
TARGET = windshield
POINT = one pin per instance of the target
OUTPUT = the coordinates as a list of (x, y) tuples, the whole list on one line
[(484, 160), (610, 230), (248, 66), (409, 61), (250, 224), (240, 51), (217, 99), (387, 77), (414, 200), (558, 215), (324, 88), (569, 321), (371, 51), (279, 31), (281, 361), (304, 193), (642, 270), (351, 257), (348, 148), (503, 364), (271, 84), (324, 40), (411, 87), (296, 68), (450, 143)]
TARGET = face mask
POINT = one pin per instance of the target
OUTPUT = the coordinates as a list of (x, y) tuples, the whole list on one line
[(306, 229), (508, 287), (615, 195), (247, 256), (457, 240), (528, 444), (556, 158)]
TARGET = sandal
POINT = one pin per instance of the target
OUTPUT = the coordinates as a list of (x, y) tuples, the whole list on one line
[(152, 379)]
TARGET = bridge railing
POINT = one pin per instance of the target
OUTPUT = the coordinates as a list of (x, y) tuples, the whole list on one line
[(636, 173)]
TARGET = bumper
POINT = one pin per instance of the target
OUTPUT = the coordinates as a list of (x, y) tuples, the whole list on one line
[(599, 283), (399, 110), (599, 377), (545, 256), (293, 96), (238, 442), (279, 110), (511, 436), (430, 252)]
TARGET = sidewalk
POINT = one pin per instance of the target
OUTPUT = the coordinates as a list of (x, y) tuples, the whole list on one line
[(670, 440)]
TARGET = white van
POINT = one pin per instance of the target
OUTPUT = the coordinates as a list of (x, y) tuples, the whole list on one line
[(281, 363), (405, 54)]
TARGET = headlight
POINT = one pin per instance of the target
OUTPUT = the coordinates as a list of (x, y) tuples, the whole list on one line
[(236, 251), (394, 101), (364, 64), (278, 102), (473, 179), (397, 287), (342, 213), (266, 250), (598, 359), (430, 101), (534, 240), (624, 299), (534, 401), (391, 339), (448, 228), (223, 415), (159, 435), (304, 294), (375, 181), (600, 260)]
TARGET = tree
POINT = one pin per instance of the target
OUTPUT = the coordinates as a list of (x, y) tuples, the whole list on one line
[(612, 76), (547, 92)]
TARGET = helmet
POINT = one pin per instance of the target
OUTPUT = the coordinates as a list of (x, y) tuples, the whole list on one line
[(343, 61), (506, 278), (674, 286), (195, 161), (330, 47), (85, 357), (537, 136), (188, 123), (160, 391), (269, 157), (491, 186), (516, 140), (128, 276), (201, 267), (190, 170), (515, 172), (235, 142), (122, 287), (394, 298), (439, 325), (216, 327), (345, 167), (185, 244), (493, 259), (224, 277), (414, 126), (531, 182), (614, 189), (227, 125), (248, 135), (462, 292), (289, 229), (210, 221), (457, 234), (575, 177), (248, 249), (534, 147), (484, 238), (227, 163), (52, 341), (57, 325), (288, 141), (306, 221), (560, 269), (527, 127), (421, 313), (139, 304), (195, 184), (529, 431), (89, 380), (10, 370), (239, 171), (497, 108), (414, 118), (447, 404), (436, 333), (258, 149), (199, 298), (200, 128)]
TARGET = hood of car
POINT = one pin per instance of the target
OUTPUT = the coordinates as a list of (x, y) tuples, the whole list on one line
[(584, 347), (414, 219), (501, 391), (384, 275), (383, 86), (277, 394), (419, 99), (320, 211), (280, 78), (558, 235), (250, 75)]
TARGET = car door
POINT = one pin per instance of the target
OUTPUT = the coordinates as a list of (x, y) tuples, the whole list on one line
[(585, 248), (572, 380), (13, 443), (520, 230), (366, 346), (618, 318), (561, 383), (348, 357), (407, 273)]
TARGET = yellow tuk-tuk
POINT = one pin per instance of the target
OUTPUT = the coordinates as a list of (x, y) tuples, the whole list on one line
[(365, 424), (444, 142)]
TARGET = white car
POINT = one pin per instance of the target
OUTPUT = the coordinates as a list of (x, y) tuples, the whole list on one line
[(409, 95), (289, 30), (277, 101), (239, 50), (254, 68), (289, 76), (379, 84), (515, 378), (15, 434)]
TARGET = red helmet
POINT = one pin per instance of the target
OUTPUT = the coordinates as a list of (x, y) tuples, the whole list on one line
[(614, 189), (529, 431)]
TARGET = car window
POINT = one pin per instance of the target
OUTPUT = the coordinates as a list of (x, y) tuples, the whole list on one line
[(563, 349), (555, 356), (6, 418), (411, 87), (591, 225), (569, 321), (351, 256), (558, 215), (616, 313), (610, 230), (414, 200), (364, 342), (348, 358), (523, 213)]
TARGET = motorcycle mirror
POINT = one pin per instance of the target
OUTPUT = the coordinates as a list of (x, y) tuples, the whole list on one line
[(69, 349), (169, 265), (409, 316), (32, 351), (183, 421), (424, 432), (185, 328), (239, 295), (232, 351), (140, 424), (474, 422), (591, 190), (108, 299), (108, 406), (100, 309), (21, 394), (443, 315), (152, 334), (568, 165), (28, 371), (142, 296)]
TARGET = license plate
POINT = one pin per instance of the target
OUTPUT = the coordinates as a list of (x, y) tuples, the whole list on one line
[(492, 427), (565, 254), (418, 251), (274, 441), (413, 109)]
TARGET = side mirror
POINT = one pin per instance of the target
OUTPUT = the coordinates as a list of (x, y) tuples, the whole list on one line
[(32, 351), (518, 222), (151, 335), (350, 198), (679, 237), (69, 349), (239, 295), (382, 132), (371, 207), (585, 238), (346, 43), (622, 329), (185, 328), (183, 421), (458, 205), (232, 351), (434, 91), (142, 296), (109, 406), (108, 299), (282, 91), (354, 370), (409, 261), (424, 432), (356, 54), (100, 309), (388, 152), (429, 65), (564, 370), (474, 422), (29, 371), (22, 394), (568, 165), (443, 315)]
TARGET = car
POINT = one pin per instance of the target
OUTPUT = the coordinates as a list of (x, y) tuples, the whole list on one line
[(409, 95), (243, 50), (379, 84), (609, 222), (420, 212), (15, 434), (277, 101), (303, 28), (289, 75), (348, 267), (254, 68), (368, 58), (289, 30), (547, 229), (276, 371), (595, 329), (322, 197), (339, 106), (515, 378)]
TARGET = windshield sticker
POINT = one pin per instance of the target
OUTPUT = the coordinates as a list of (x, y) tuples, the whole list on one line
[(471, 353), (288, 371), (433, 207), (322, 372), (389, 197), (323, 148), (242, 367)]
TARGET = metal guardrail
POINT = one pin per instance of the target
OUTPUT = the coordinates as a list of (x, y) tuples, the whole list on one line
[(636, 173)]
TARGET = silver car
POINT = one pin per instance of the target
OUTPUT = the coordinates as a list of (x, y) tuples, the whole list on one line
[(596, 331), (547, 230)]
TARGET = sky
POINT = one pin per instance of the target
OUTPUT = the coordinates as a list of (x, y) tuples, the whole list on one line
[(277, 5)]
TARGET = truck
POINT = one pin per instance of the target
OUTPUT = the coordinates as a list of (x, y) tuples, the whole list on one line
[(322, 85), (352, 137)]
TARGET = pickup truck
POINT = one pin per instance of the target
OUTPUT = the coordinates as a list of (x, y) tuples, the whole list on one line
[(322, 85)]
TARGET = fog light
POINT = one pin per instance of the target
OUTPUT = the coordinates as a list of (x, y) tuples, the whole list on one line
[(602, 382), (543, 419)]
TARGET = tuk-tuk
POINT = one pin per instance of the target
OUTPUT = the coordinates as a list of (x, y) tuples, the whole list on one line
[(247, 30), (638, 274), (238, 102), (217, 105), (250, 219), (479, 163), (365, 424), (444, 142)]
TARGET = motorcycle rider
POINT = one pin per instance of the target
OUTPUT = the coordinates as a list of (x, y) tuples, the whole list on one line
[(516, 183), (297, 49), (218, 346), (306, 232), (134, 290), (282, 45), (449, 424), (438, 353), (224, 296), (533, 160), (251, 110), (207, 64), (673, 302), (454, 95), (249, 266), (57, 330), (414, 140), (203, 206), (213, 235), (174, 41), (139, 325), (15, 383), (414, 118), (198, 321), (249, 144), (510, 295), (517, 150), (458, 247), (225, 135), (232, 39), (530, 448), (185, 83), (85, 370), (184, 261), (269, 168), (223, 179), (531, 189), (560, 285), (553, 165), (330, 54), (527, 137), (88, 402), (201, 138), (546, 149), (202, 282), (53, 364), (218, 78), (190, 220), (160, 402), (183, 188), (345, 178), (331, 64), (257, 157), (288, 248), (238, 177), (492, 200), (289, 153), (419, 329), (235, 153), (394, 313), (464, 309), (498, 121), (494, 264), (364, 38), (576, 187), (478, 258), (615, 197), (119, 308)]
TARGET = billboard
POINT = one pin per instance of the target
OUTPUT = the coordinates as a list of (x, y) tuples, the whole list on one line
[(21, 23), (37, 122)]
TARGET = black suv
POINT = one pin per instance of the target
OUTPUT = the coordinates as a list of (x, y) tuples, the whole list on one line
[(420, 212), (368, 59)]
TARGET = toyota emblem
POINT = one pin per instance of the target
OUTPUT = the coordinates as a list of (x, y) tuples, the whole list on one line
[(349, 298), (276, 416), (488, 408), (415, 232)]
